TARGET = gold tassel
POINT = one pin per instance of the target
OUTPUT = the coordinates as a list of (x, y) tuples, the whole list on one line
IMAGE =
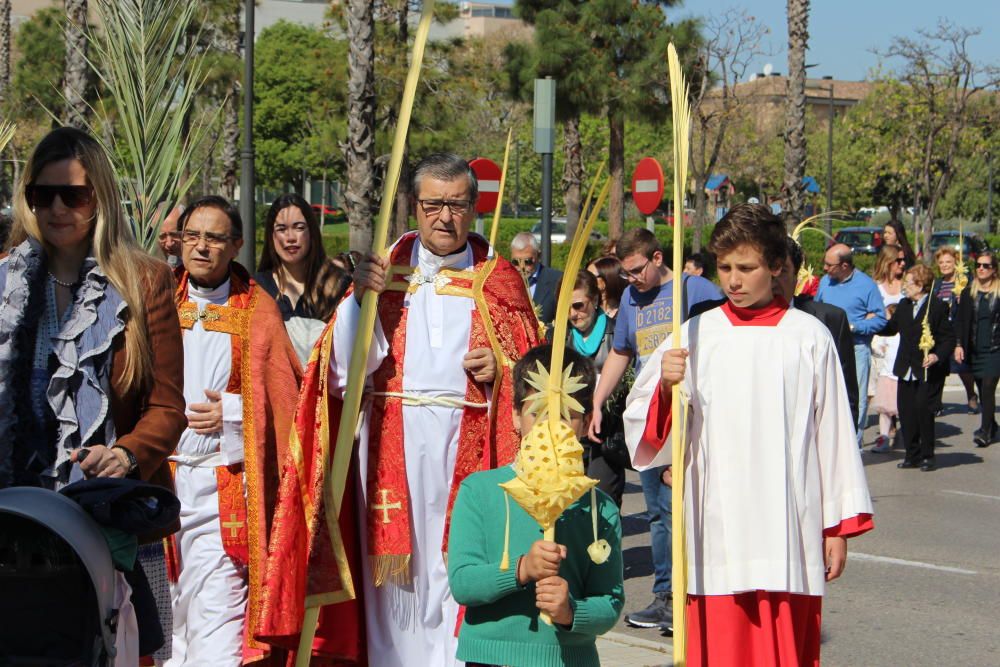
[(505, 559), (393, 568)]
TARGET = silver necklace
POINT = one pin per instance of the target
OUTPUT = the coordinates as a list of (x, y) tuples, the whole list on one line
[(61, 283)]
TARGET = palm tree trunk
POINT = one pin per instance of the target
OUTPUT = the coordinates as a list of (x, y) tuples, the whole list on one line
[(616, 166), (4, 48), (572, 180), (360, 148), (795, 110), (75, 70)]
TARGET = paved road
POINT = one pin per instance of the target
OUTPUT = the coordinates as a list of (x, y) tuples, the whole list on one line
[(923, 588)]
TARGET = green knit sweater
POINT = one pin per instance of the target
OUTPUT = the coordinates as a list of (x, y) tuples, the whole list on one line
[(501, 625)]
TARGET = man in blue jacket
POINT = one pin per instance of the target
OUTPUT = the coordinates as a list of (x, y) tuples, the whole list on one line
[(857, 295)]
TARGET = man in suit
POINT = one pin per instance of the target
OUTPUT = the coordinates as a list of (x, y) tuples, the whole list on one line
[(542, 281), (833, 317), (921, 377)]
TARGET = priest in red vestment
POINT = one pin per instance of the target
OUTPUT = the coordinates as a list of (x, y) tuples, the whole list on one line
[(774, 484), (452, 320), (241, 379)]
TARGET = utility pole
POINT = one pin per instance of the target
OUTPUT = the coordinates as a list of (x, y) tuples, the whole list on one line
[(248, 252)]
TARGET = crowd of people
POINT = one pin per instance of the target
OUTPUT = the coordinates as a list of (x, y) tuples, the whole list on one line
[(227, 388)]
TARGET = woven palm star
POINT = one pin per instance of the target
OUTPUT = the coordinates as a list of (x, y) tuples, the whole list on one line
[(537, 402)]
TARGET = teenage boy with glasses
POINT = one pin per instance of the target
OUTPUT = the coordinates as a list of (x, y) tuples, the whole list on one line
[(644, 321)]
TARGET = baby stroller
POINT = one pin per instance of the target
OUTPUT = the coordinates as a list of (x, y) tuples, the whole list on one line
[(57, 583)]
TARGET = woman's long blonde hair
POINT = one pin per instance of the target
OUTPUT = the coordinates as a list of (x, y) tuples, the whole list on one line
[(994, 289), (887, 256), (118, 254)]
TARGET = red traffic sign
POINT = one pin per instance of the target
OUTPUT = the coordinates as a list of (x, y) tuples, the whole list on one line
[(488, 174), (647, 185)]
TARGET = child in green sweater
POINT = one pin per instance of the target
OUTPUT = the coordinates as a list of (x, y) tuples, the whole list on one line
[(583, 599)]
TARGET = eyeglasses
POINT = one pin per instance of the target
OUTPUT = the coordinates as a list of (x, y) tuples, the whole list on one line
[(578, 305), (830, 265), (211, 239), (901, 260), (632, 274), (169, 235), (457, 207), (983, 265), (72, 196), (527, 262)]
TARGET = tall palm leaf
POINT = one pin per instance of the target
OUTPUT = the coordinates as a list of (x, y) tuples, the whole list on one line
[(6, 133), (795, 111), (151, 82)]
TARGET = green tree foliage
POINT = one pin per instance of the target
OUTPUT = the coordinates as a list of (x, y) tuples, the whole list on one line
[(299, 103)]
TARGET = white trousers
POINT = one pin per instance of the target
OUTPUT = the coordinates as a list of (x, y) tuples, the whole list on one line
[(210, 596)]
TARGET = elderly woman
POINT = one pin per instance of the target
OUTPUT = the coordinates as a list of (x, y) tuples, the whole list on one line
[(90, 346), (296, 272), (591, 334), (978, 324), (921, 372)]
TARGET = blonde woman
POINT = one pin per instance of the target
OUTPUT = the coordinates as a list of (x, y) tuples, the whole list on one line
[(946, 259), (888, 273), (978, 324), (90, 350)]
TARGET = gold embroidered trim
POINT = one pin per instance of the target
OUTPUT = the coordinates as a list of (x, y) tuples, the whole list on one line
[(391, 568)]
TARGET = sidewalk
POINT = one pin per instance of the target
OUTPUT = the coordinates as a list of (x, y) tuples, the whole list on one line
[(617, 649)]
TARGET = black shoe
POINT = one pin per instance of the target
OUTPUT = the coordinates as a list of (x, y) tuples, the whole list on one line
[(979, 437), (667, 629), (907, 464), (656, 614), (927, 465)]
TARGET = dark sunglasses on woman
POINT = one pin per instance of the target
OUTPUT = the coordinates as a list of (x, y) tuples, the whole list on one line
[(72, 196)]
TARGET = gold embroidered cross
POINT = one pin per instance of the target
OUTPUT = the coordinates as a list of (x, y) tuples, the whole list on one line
[(386, 505), (233, 525)]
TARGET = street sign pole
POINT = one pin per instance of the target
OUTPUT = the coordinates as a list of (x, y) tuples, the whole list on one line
[(248, 252), (545, 130), (650, 223)]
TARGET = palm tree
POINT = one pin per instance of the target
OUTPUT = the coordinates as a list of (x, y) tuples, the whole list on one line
[(4, 48), (359, 152), (75, 71), (231, 111), (795, 111)]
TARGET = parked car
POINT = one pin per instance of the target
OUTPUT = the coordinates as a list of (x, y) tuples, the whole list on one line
[(862, 240), (332, 214), (558, 234), (972, 244)]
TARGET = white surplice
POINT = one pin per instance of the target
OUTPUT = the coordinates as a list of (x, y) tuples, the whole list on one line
[(772, 458), (209, 599), (415, 624)]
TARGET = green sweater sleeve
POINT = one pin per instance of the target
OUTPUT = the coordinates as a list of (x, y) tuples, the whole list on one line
[(599, 609), (475, 576)]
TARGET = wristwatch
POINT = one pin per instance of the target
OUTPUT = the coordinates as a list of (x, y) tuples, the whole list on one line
[(133, 463)]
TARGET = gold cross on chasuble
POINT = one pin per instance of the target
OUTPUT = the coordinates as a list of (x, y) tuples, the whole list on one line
[(221, 319), (447, 281), (234, 525), (386, 506)]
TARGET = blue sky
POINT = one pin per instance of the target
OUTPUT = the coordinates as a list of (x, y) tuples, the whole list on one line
[(843, 32)]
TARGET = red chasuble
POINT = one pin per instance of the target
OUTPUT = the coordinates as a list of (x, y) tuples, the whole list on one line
[(314, 550), (266, 373)]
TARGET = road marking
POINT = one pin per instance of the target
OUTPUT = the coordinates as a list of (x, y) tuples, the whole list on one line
[(911, 563), (647, 185), (974, 495)]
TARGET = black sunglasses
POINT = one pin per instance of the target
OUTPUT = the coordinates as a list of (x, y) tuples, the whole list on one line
[(72, 196), (982, 265)]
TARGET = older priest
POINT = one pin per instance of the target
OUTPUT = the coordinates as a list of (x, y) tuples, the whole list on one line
[(240, 384), (452, 319)]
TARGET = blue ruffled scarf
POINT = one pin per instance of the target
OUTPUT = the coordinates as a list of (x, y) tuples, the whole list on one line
[(80, 387)]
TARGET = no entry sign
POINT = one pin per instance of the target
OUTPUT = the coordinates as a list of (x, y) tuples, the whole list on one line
[(647, 185), (488, 174)]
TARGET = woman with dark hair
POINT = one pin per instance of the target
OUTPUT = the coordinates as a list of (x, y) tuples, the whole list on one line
[(978, 324), (895, 234), (591, 334), (296, 272), (608, 270)]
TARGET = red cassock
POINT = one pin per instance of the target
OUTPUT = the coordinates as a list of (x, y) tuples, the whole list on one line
[(315, 551)]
